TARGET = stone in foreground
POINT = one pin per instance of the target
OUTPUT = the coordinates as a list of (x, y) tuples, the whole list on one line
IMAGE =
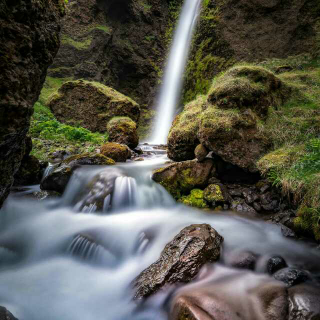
[(181, 259)]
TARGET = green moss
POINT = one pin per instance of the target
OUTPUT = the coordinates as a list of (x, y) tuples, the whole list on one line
[(80, 45), (91, 158), (194, 199), (213, 194)]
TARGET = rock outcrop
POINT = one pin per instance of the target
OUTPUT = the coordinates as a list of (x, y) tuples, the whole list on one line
[(6, 315), (181, 259), (91, 104), (30, 40)]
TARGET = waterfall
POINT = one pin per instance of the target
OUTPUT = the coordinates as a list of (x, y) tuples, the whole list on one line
[(173, 76)]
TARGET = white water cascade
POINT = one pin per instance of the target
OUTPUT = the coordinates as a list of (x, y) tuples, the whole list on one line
[(173, 76)]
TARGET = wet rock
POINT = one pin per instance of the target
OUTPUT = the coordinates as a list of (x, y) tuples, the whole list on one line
[(275, 264), (242, 260), (181, 177), (181, 259), (304, 303), (292, 276), (115, 151), (6, 315), (201, 152), (287, 232), (257, 206), (95, 105), (216, 194), (59, 178), (30, 40), (124, 131), (240, 205), (222, 294), (250, 196)]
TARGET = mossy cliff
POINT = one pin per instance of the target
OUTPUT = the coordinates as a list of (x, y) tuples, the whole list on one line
[(263, 123), (29, 33), (231, 31)]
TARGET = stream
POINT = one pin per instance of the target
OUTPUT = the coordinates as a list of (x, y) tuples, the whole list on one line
[(65, 258)]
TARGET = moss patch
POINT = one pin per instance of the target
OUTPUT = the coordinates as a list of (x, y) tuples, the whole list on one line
[(194, 199)]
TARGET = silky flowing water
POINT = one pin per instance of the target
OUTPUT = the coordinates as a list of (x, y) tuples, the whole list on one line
[(58, 262)]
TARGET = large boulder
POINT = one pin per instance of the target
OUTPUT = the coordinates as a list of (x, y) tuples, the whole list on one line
[(30, 40), (124, 131), (115, 151), (181, 259), (181, 177), (58, 179), (91, 104), (230, 121)]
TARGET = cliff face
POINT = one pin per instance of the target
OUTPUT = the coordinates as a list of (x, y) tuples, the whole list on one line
[(29, 35), (118, 43)]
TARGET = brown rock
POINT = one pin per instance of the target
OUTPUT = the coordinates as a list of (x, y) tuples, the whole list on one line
[(115, 151), (181, 259), (201, 152), (181, 177)]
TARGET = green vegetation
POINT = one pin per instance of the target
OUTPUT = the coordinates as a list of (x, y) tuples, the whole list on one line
[(80, 45), (194, 199), (144, 5)]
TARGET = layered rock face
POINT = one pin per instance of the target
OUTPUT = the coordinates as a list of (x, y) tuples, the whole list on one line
[(29, 33), (118, 43)]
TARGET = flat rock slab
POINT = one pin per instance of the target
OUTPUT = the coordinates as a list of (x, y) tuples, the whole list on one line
[(181, 259)]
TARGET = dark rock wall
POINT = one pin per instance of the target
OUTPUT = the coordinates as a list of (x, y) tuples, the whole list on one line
[(121, 44), (29, 36)]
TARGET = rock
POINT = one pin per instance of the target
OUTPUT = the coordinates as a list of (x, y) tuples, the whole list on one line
[(115, 151), (195, 199), (58, 179), (95, 105), (181, 259), (239, 205), (275, 264), (201, 152), (287, 232), (213, 193), (282, 69), (124, 131), (304, 303), (30, 40), (242, 260), (292, 276), (181, 177), (6, 315), (250, 196), (226, 294), (29, 173), (257, 206)]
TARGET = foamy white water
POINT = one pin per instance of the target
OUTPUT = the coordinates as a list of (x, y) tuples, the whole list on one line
[(172, 82)]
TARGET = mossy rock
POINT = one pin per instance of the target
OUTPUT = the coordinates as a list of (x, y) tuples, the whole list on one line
[(195, 199), (115, 151), (213, 194), (248, 87), (181, 177), (91, 105), (124, 131), (29, 172)]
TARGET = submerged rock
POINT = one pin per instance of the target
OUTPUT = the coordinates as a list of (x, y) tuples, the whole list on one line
[(181, 177), (91, 104), (292, 276), (124, 131), (115, 151), (226, 294), (30, 40), (59, 178), (181, 259), (6, 315), (242, 260)]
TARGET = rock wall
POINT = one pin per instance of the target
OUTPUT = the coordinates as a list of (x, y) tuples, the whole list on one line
[(29, 34), (121, 44)]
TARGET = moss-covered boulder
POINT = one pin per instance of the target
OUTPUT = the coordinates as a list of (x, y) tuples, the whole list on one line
[(124, 131), (181, 177), (115, 151), (59, 178), (213, 194), (29, 41), (91, 105), (201, 152), (229, 121), (195, 199), (248, 87)]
